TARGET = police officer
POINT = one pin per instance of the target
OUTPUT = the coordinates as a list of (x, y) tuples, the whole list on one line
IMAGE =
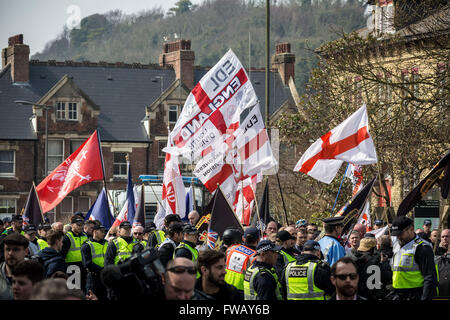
[(186, 248), (93, 253), (287, 242), (240, 257), (122, 247), (174, 236), (330, 246), (43, 228), (308, 277), (30, 233), (71, 247), (414, 273), (261, 281), (16, 225)]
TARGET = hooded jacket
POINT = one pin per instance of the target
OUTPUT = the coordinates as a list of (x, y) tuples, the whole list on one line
[(52, 261)]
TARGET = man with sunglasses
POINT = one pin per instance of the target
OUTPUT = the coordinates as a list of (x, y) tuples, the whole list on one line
[(344, 277), (179, 281), (186, 248)]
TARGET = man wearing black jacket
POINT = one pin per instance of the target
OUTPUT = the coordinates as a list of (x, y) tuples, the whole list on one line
[(51, 256), (174, 235), (93, 253)]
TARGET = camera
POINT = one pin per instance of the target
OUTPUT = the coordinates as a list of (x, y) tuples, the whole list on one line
[(137, 277)]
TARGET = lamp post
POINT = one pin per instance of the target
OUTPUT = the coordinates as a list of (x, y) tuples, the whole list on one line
[(45, 107)]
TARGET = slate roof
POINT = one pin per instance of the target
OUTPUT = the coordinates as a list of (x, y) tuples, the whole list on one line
[(122, 93)]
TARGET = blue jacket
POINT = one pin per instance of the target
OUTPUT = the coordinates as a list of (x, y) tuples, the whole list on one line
[(52, 260), (331, 249)]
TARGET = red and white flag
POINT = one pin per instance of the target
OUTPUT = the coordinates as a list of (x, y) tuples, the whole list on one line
[(354, 173), (81, 167), (245, 198), (350, 141), (173, 198), (123, 214), (365, 218)]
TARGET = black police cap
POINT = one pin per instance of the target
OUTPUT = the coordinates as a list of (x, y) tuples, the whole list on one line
[(334, 221)]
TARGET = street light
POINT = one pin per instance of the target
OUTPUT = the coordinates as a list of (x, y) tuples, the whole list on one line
[(45, 107)]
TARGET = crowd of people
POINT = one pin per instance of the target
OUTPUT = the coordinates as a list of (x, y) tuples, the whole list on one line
[(299, 261)]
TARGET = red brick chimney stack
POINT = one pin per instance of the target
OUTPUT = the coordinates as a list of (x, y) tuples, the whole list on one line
[(17, 54), (178, 54), (284, 61)]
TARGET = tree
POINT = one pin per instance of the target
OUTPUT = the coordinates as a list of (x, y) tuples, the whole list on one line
[(402, 78), (181, 6)]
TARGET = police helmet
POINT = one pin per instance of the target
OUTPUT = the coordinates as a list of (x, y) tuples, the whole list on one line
[(232, 236)]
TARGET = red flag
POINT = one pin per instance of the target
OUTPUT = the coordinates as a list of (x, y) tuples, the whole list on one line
[(81, 167)]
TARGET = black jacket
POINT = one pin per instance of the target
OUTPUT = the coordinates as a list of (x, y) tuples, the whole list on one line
[(321, 275), (185, 252), (443, 263), (52, 261), (226, 292), (166, 253), (264, 283)]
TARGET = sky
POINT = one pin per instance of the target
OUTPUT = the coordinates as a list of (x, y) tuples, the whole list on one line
[(41, 21)]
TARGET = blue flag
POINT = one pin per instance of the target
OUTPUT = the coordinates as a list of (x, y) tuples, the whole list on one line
[(100, 211), (130, 197)]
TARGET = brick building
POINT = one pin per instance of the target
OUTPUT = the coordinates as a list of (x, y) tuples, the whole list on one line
[(130, 104)]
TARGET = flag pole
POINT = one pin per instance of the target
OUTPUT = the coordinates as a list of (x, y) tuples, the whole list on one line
[(193, 195), (151, 187), (335, 200), (104, 175), (381, 192), (257, 210), (39, 201), (282, 199)]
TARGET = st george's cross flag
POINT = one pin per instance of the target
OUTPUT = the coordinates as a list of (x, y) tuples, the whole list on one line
[(81, 167), (350, 141)]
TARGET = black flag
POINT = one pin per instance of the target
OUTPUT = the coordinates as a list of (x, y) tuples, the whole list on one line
[(139, 217), (351, 210), (222, 217), (440, 173), (32, 213), (264, 212)]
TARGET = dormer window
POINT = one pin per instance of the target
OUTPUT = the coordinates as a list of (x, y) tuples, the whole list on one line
[(384, 14), (66, 111)]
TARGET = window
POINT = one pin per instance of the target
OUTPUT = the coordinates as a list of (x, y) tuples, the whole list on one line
[(67, 205), (120, 164), (7, 163), (161, 146), (55, 154), (173, 113), (75, 144), (66, 111), (7, 207), (84, 204)]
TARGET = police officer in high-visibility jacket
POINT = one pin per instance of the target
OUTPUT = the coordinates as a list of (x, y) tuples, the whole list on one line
[(287, 242), (414, 275), (43, 228), (260, 280), (16, 225), (138, 234), (93, 253), (240, 257), (71, 248), (121, 248), (186, 248), (308, 277)]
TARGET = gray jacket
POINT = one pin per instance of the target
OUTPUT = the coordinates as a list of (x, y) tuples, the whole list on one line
[(5, 285)]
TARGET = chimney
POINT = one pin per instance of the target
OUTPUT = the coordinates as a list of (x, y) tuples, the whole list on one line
[(178, 54), (284, 62), (17, 54)]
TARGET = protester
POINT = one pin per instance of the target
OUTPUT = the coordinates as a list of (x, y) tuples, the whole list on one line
[(308, 278), (156, 237), (361, 229), (344, 277), (261, 281), (15, 250), (240, 257), (443, 265), (121, 249), (302, 237), (435, 238), (174, 235), (51, 256), (89, 227), (138, 234), (311, 230), (93, 253), (58, 226), (330, 246), (444, 243), (25, 275), (353, 242), (179, 281), (301, 224), (193, 217), (212, 265), (414, 275), (271, 228)]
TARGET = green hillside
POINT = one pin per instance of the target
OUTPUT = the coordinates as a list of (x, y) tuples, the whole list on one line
[(213, 27)]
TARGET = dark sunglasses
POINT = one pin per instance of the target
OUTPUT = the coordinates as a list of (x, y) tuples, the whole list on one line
[(344, 276), (182, 269), (138, 233)]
